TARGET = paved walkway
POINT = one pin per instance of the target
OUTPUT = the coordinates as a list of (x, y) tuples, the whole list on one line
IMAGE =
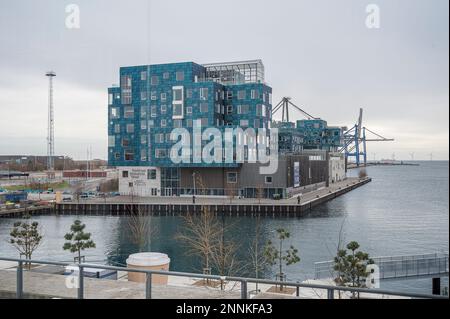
[(305, 198), (41, 285)]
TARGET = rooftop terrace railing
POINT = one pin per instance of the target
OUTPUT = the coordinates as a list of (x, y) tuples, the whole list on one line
[(243, 281), (397, 267)]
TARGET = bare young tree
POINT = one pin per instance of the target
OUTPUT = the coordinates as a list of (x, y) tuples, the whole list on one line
[(140, 226), (111, 185), (258, 260), (260, 193), (230, 192), (200, 235), (78, 190), (224, 253)]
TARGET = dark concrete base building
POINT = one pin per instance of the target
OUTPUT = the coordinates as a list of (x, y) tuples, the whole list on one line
[(295, 174)]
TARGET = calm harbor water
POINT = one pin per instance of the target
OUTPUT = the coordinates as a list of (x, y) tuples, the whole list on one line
[(405, 210)]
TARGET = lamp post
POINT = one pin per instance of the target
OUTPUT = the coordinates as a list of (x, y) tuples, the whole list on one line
[(193, 197)]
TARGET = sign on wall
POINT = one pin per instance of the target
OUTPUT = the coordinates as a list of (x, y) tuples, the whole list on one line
[(296, 174)]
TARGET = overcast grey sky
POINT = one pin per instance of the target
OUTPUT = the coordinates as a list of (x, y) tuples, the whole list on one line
[(319, 52)]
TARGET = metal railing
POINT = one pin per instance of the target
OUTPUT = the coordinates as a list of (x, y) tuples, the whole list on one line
[(243, 281), (394, 267)]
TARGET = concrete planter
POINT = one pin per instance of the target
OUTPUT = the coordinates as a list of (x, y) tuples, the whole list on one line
[(148, 261)]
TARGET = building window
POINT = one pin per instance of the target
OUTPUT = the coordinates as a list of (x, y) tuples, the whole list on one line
[(143, 155), (126, 89), (163, 123), (129, 112), (229, 109), (154, 80), (117, 156), (143, 95), (189, 110), (129, 156), (163, 109), (153, 111), (163, 96), (269, 179), (143, 75), (177, 123), (143, 139), (244, 123), (160, 153), (255, 94), (159, 138), (232, 177), (125, 142), (203, 93), (166, 75), (115, 113), (189, 93), (229, 95), (204, 107), (241, 95), (112, 141), (180, 76), (153, 96), (117, 129), (143, 111), (151, 123), (110, 99), (204, 121), (126, 96), (178, 94), (130, 128), (125, 174), (151, 174), (143, 125), (189, 123), (242, 109), (177, 110), (126, 82), (257, 123)]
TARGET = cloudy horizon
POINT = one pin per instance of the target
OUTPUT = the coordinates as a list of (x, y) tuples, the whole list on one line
[(319, 53)]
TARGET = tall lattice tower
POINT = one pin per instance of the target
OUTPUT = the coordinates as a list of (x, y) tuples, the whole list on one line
[(51, 124)]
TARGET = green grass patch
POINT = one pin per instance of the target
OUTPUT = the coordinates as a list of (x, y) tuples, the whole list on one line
[(36, 186)]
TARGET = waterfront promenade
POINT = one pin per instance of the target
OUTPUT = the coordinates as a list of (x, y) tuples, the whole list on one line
[(171, 206), (306, 197), (176, 206)]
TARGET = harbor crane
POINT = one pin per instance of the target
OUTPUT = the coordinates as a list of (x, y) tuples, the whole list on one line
[(356, 138), (284, 106)]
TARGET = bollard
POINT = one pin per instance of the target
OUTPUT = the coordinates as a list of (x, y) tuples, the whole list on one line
[(19, 284), (243, 289), (148, 286), (80, 282), (330, 293)]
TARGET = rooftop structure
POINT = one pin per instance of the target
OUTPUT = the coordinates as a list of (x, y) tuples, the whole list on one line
[(231, 73)]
